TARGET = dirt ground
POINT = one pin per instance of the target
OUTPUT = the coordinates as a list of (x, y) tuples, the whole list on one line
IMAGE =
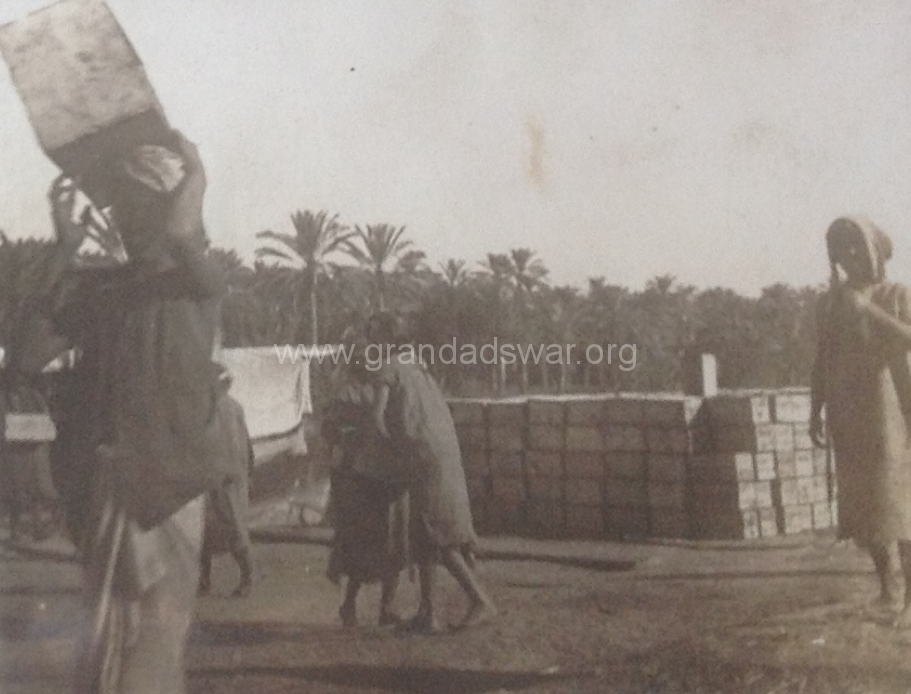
[(575, 617)]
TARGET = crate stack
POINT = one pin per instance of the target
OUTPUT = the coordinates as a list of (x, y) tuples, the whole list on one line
[(762, 476), (736, 465), (583, 467), (579, 466), (673, 434), (506, 434), (731, 482), (545, 470), (805, 485), (626, 487)]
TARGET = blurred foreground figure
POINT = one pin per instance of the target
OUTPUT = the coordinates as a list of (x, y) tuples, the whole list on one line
[(862, 377), (140, 433)]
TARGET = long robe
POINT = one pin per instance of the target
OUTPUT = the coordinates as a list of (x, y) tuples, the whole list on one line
[(424, 437), (369, 504), (863, 376), (227, 507)]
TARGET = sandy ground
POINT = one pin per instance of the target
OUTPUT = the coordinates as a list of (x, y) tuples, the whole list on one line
[(575, 617)]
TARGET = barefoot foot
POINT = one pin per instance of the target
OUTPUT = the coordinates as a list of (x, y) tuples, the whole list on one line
[(422, 624), (478, 614), (242, 590), (389, 619), (885, 602)]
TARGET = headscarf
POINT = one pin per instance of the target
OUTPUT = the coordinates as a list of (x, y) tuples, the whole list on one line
[(876, 241)]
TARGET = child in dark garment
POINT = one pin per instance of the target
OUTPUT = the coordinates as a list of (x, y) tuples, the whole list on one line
[(368, 505)]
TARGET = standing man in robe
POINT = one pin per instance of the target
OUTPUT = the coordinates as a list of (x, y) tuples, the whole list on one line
[(862, 377)]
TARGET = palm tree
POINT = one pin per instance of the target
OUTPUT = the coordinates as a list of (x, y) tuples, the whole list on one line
[(526, 272), (516, 276), (382, 251), (606, 318), (565, 308), (316, 237), (454, 272)]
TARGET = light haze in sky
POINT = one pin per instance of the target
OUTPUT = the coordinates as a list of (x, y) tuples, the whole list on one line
[(707, 139)]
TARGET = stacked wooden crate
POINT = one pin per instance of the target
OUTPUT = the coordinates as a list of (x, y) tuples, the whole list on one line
[(731, 482), (737, 465), (626, 488), (672, 435), (585, 467), (763, 476), (545, 471), (506, 432), (805, 482)]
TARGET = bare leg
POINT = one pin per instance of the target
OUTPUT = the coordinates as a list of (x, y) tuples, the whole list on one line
[(348, 610), (387, 598), (904, 554), (424, 621), (481, 608), (888, 583), (205, 572), (242, 557)]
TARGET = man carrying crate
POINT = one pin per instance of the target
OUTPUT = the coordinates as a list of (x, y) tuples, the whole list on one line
[(141, 437)]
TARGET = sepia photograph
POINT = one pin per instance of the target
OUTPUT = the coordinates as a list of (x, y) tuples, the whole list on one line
[(455, 347)]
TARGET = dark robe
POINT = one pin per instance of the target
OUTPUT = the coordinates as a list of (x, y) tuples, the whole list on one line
[(368, 504), (145, 388)]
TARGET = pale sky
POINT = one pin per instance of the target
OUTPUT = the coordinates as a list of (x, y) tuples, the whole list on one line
[(709, 139)]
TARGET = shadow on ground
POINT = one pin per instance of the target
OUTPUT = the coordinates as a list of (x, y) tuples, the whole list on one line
[(410, 680), (251, 633), (683, 671)]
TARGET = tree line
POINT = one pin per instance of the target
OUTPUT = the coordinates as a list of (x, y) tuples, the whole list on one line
[(317, 280)]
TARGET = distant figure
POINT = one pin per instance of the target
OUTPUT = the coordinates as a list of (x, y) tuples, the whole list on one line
[(25, 466), (412, 411), (368, 501), (862, 377), (227, 505)]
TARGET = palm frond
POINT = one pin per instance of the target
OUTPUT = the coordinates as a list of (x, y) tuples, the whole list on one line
[(266, 252)]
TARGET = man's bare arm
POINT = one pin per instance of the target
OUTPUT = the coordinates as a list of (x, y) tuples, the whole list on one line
[(184, 228)]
